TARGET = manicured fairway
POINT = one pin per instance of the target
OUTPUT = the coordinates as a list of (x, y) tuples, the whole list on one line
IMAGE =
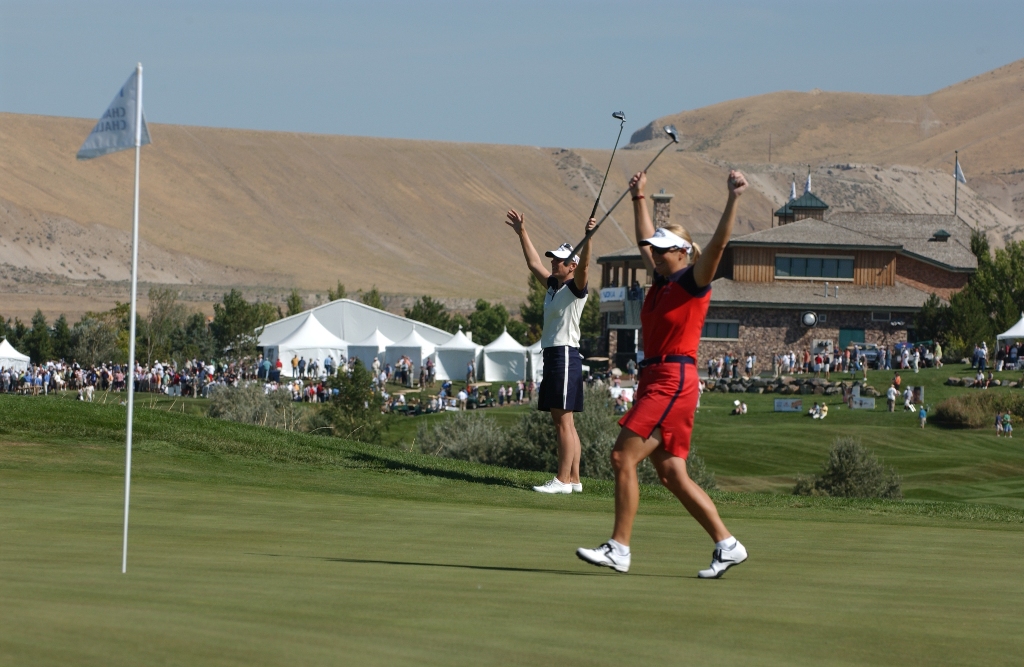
[(253, 547)]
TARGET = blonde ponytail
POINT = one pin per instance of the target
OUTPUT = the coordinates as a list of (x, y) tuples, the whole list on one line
[(680, 231)]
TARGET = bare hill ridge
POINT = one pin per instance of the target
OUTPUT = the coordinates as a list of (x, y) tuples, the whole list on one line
[(272, 210), (982, 117)]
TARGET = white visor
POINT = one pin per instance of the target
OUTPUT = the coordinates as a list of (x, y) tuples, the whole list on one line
[(564, 251), (665, 239)]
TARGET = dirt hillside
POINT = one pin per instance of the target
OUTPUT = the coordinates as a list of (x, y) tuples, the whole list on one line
[(268, 211)]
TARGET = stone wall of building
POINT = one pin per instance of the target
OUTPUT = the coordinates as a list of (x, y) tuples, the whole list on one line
[(929, 278), (767, 331)]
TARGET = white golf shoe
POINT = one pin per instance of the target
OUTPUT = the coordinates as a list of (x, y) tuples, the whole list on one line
[(605, 556), (553, 486), (577, 487), (722, 560)]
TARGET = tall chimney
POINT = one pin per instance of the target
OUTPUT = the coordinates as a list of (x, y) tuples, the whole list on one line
[(662, 206)]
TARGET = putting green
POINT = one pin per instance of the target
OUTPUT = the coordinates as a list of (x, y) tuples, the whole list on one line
[(255, 547)]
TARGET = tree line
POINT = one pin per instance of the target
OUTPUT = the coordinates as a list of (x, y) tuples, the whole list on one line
[(990, 303), (170, 330)]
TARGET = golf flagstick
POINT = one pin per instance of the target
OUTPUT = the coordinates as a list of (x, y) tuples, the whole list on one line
[(670, 130), (121, 127)]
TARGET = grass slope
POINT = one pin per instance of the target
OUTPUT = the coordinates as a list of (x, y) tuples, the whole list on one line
[(251, 546)]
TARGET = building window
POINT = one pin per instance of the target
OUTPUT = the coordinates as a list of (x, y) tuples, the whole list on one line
[(805, 266), (721, 330), (879, 316)]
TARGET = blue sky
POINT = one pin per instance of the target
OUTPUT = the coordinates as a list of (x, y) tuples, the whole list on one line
[(533, 73)]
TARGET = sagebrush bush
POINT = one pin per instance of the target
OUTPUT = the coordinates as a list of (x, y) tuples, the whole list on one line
[(977, 409), (250, 404), (851, 471), (531, 444), (466, 436)]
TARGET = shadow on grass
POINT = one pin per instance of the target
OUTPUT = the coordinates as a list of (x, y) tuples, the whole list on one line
[(458, 566), (388, 463)]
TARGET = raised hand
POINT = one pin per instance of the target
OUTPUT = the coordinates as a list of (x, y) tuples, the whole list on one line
[(515, 220), (591, 224), (637, 183), (737, 183)]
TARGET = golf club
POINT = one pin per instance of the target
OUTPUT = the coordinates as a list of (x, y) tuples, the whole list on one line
[(621, 117), (670, 130)]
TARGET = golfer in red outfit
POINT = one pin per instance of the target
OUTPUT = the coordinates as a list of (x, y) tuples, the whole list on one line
[(660, 423)]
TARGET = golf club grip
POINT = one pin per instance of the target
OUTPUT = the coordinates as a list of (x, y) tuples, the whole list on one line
[(618, 201)]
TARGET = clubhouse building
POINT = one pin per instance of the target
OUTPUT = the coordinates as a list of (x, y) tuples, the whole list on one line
[(816, 280)]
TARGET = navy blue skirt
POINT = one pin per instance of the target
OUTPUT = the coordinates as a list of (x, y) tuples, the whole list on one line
[(562, 386)]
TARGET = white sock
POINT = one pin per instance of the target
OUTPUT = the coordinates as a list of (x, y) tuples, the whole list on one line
[(726, 544), (620, 549)]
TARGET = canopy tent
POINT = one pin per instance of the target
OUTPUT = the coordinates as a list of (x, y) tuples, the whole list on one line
[(453, 357), (536, 362), (309, 341), (414, 346), (372, 347), (1014, 332), (352, 320), (11, 358), (504, 360)]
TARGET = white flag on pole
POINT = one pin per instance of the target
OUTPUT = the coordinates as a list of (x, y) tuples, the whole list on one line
[(807, 185), (115, 130), (958, 173), (792, 192)]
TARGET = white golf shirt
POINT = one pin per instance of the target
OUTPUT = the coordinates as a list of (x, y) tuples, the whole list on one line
[(563, 308)]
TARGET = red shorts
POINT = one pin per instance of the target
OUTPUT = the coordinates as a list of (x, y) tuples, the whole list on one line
[(667, 397)]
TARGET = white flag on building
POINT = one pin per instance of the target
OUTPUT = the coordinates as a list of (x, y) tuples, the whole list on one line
[(807, 185), (958, 173), (115, 130), (792, 192)]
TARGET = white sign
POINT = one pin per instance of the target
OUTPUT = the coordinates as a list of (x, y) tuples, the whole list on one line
[(613, 294), (862, 403), (789, 405)]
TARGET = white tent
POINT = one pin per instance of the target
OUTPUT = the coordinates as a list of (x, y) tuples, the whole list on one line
[(371, 348), (414, 346), (11, 358), (504, 360), (310, 341), (1014, 332), (536, 361), (453, 357)]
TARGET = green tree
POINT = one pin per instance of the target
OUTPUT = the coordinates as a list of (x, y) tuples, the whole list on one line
[(590, 322), (532, 310), (193, 339), (295, 304), (165, 317), (337, 293), (355, 413), (432, 312), (94, 341), (932, 321), (38, 344), (373, 299), (236, 323), (61, 338), (17, 333), (488, 320)]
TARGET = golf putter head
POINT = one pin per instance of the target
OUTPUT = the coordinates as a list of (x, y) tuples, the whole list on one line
[(670, 130), (618, 115)]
